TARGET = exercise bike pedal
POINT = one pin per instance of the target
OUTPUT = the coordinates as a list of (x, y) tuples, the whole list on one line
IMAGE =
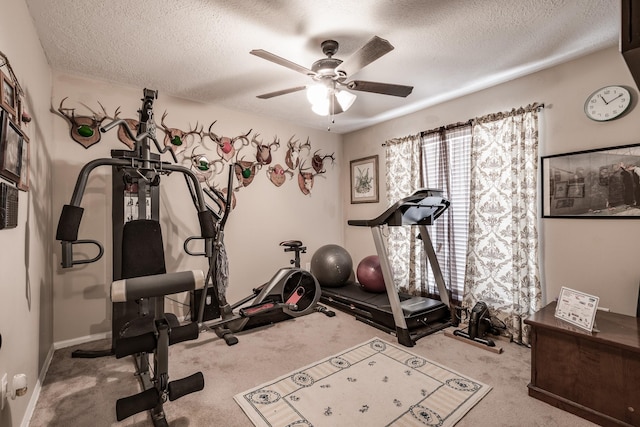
[(263, 307)]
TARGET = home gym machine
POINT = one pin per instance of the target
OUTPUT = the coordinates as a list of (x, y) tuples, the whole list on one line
[(407, 317), (291, 292), (140, 327)]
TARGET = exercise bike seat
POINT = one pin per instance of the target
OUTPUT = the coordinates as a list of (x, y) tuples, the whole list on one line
[(291, 243)]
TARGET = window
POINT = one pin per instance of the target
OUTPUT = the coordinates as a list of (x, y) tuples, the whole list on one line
[(446, 164)]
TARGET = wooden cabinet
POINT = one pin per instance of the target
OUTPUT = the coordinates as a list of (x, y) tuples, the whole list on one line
[(630, 37), (593, 375)]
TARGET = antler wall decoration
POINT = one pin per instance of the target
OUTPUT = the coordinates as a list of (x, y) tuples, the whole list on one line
[(208, 162), (85, 130)]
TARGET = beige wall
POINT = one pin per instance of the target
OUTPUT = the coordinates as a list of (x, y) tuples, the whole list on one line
[(26, 319), (265, 215), (41, 304), (596, 256)]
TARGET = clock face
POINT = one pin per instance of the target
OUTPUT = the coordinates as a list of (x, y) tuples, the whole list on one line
[(607, 103)]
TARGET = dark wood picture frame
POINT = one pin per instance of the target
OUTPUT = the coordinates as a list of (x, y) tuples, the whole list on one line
[(364, 180), (599, 183), (23, 183), (7, 94), (11, 141)]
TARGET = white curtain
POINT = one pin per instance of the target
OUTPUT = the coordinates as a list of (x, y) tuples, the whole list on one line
[(402, 159), (502, 256)]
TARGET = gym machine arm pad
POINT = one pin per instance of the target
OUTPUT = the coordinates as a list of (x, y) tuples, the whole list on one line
[(156, 285), (69, 223), (207, 224)]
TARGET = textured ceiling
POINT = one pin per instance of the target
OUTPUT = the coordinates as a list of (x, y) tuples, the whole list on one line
[(199, 49)]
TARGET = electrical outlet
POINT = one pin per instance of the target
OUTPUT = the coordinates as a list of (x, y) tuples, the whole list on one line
[(4, 388)]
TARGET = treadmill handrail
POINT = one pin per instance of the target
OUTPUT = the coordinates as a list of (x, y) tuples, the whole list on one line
[(397, 214)]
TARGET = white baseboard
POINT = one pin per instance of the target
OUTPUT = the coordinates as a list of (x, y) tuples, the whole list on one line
[(31, 407), (45, 368), (81, 340)]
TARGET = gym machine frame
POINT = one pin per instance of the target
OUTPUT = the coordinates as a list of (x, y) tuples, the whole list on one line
[(131, 297), (420, 209)]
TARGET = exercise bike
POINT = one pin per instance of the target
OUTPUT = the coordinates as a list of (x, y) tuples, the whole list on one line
[(291, 292)]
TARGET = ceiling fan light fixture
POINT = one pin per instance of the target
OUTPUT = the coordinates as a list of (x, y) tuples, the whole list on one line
[(321, 108), (317, 93), (345, 99)]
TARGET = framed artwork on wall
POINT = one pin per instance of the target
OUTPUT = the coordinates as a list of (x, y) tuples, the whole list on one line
[(23, 184), (364, 180), (7, 94), (600, 183), (11, 141)]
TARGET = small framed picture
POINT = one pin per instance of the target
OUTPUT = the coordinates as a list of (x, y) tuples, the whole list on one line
[(10, 149), (577, 308), (23, 184), (364, 180), (7, 94)]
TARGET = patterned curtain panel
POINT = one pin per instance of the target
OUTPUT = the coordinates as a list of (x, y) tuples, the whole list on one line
[(402, 158), (502, 256)]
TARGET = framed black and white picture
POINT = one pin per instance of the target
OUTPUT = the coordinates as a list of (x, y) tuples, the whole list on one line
[(11, 141), (600, 183)]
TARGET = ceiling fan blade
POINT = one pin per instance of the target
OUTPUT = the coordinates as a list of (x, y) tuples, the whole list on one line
[(382, 88), (374, 49), (280, 92), (281, 61)]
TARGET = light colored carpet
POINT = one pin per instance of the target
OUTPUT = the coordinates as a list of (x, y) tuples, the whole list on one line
[(375, 383), (83, 392)]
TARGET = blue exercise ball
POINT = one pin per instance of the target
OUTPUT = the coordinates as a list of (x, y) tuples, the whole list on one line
[(332, 266)]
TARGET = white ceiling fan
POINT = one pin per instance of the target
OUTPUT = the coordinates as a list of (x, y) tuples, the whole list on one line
[(327, 93)]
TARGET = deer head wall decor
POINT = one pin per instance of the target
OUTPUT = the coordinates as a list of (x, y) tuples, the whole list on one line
[(292, 158), (176, 138), (85, 130), (225, 146), (263, 151)]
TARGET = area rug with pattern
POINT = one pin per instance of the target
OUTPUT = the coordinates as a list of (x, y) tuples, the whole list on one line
[(375, 383)]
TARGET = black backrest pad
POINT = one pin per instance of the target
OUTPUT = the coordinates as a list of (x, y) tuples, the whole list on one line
[(142, 249)]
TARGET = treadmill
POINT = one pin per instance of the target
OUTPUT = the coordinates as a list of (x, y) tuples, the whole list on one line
[(407, 317)]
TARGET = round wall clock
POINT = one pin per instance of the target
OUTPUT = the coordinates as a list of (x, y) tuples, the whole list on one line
[(607, 103)]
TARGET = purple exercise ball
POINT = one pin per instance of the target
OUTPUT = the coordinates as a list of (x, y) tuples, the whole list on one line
[(369, 274)]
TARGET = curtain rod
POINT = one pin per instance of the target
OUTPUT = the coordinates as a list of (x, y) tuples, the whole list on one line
[(497, 116), (447, 127), (494, 116)]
